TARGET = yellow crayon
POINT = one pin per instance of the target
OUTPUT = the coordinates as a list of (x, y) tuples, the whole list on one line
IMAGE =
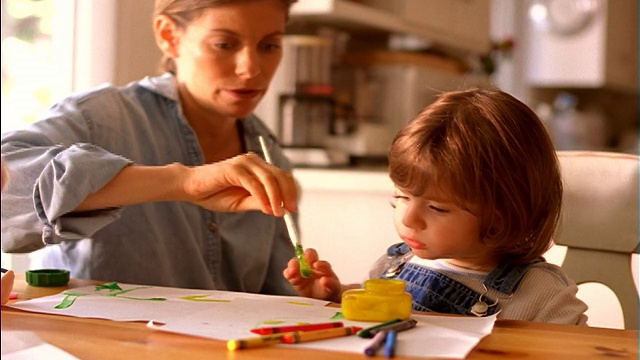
[(255, 341), (304, 336)]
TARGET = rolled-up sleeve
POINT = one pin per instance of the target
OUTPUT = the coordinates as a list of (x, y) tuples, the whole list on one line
[(52, 169)]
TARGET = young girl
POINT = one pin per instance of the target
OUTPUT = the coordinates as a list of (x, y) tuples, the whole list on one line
[(477, 200)]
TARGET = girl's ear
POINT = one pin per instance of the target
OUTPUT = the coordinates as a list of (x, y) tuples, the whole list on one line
[(167, 35), (494, 228)]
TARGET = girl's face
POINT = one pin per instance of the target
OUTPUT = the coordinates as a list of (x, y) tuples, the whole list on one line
[(435, 227), (227, 56)]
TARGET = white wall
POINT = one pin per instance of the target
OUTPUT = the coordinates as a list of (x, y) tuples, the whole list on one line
[(114, 42)]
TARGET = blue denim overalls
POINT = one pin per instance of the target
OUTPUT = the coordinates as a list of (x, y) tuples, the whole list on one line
[(433, 291)]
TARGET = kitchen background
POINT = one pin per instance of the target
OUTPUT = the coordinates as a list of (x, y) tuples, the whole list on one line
[(353, 73)]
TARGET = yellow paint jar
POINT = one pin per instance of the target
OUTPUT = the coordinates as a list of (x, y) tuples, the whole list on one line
[(380, 300)]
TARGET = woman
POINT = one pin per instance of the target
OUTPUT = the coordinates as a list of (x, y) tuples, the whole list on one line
[(132, 183)]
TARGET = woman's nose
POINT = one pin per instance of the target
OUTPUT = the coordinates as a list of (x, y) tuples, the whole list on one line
[(247, 63)]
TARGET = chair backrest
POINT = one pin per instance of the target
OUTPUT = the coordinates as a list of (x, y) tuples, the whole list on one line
[(599, 223)]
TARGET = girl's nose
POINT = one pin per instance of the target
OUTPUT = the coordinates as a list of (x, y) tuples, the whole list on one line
[(247, 64), (413, 218)]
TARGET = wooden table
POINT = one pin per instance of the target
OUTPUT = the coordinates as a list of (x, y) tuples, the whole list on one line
[(105, 339)]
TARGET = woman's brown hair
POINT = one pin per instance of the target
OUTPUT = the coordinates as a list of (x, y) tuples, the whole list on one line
[(495, 158), (182, 12)]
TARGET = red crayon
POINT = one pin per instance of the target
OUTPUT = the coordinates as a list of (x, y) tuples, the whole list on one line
[(291, 328)]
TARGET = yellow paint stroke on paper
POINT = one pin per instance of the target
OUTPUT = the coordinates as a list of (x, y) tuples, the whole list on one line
[(299, 303), (201, 298)]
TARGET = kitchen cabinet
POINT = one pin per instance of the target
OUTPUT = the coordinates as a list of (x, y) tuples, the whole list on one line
[(458, 24)]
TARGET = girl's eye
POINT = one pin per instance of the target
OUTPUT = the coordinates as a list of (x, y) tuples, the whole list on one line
[(397, 198), (438, 209)]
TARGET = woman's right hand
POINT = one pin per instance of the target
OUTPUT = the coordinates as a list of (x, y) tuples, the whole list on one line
[(244, 182), (323, 284)]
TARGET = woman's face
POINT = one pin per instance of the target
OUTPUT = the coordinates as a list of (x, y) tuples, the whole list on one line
[(226, 57), (435, 227)]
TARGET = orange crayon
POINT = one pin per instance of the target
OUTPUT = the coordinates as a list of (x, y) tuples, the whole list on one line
[(255, 341), (305, 336)]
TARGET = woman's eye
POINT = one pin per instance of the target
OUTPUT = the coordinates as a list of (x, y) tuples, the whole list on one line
[(271, 47), (223, 46)]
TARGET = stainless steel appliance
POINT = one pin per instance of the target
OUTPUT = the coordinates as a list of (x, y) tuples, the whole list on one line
[(300, 105)]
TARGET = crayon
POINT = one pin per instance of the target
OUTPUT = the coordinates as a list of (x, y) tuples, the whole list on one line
[(305, 336), (397, 327), (366, 332), (390, 344), (376, 343), (255, 341), (291, 328)]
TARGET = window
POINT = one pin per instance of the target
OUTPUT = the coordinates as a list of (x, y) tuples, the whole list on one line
[(37, 58)]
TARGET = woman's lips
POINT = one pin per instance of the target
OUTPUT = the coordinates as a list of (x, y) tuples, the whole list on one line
[(245, 94)]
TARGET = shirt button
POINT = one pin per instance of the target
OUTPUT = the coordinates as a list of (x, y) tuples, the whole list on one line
[(213, 227)]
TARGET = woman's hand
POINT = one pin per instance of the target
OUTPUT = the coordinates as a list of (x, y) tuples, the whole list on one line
[(7, 285), (323, 283), (244, 182)]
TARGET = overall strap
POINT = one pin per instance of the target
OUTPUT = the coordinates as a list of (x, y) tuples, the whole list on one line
[(505, 278), (433, 291)]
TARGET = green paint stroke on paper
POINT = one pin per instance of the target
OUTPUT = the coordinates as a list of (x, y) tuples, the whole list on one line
[(69, 299), (115, 290), (337, 316), (201, 298)]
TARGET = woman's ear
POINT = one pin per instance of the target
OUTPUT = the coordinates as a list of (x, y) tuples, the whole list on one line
[(167, 35)]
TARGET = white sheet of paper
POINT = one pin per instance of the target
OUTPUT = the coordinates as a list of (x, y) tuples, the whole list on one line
[(224, 315), (19, 345)]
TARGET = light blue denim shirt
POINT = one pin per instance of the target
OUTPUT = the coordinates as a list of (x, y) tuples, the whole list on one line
[(80, 145)]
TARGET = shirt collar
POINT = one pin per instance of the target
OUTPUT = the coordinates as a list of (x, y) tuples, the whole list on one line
[(165, 85)]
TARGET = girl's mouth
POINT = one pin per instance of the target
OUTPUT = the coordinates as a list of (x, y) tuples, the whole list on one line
[(414, 244)]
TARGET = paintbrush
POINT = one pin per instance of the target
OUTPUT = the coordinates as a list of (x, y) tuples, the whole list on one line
[(305, 270)]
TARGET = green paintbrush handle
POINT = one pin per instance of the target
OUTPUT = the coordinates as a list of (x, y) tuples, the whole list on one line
[(305, 270)]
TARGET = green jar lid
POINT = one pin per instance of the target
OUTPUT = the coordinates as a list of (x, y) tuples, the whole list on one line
[(47, 277)]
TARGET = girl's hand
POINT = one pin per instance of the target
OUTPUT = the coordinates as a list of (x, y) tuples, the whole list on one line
[(323, 283)]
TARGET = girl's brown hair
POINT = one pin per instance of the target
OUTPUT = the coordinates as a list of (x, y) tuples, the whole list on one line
[(494, 157), (182, 12)]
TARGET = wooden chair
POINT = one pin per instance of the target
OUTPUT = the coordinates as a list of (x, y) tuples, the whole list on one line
[(599, 224)]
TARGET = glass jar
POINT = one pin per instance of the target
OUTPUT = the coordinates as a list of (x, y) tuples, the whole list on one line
[(380, 300)]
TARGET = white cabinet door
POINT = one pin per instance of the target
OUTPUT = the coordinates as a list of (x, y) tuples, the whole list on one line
[(346, 215), (459, 24)]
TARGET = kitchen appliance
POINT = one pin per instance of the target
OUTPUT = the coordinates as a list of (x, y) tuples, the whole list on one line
[(581, 43), (389, 89), (300, 104)]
